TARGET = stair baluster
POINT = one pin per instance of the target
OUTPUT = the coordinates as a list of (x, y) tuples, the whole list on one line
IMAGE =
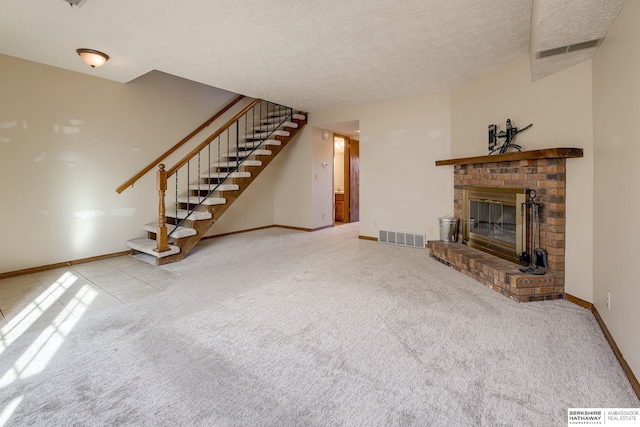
[(161, 236)]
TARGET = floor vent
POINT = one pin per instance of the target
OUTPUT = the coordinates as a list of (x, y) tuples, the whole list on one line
[(403, 239)]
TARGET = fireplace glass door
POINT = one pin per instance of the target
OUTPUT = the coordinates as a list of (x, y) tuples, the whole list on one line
[(493, 220)]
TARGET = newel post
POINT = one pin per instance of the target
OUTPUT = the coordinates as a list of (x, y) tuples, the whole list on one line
[(161, 235)]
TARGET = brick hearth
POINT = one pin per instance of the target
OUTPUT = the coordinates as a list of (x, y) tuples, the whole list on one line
[(542, 170), (498, 274)]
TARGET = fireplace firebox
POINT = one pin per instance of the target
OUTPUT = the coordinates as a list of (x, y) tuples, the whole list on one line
[(493, 220)]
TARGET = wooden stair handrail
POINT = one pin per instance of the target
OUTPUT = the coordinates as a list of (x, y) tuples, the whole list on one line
[(133, 179), (213, 136)]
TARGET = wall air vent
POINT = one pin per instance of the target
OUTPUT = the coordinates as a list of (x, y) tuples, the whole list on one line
[(402, 239), (570, 48)]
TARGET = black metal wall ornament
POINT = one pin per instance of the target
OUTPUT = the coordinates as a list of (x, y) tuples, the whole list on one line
[(509, 135)]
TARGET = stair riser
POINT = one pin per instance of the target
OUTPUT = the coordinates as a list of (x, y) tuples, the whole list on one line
[(174, 221), (240, 168), (216, 181), (228, 169), (213, 181), (190, 206)]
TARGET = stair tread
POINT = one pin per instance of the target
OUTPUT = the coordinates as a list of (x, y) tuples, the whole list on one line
[(192, 216), (296, 116), (147, 245), (207, 201), (270, 126), (179, 233), (226, 175), (211, 187), (245, 153), (254, 144), (234, 163), (278, 119), (258, 135)]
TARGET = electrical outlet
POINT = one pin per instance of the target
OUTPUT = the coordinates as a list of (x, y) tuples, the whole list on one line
[(322, 216), (430, 231), (609, 299), (375, 224)]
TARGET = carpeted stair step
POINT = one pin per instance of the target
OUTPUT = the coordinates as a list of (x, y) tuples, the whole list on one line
[(285, 113), (147, 246), (207, 201), (278, 119), (233, 164), (179, 233), (223, 175), (212, 187), (262, 135), (265, 127), (247, 153), (254, 144), (189, 215)]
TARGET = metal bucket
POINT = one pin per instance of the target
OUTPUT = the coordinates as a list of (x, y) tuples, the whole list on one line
[(448, 229)]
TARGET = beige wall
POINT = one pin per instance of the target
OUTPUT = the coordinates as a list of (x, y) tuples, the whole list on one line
[(322, 179), (616, 95), (255, 208), (67, 140), (293, 181), (559, 106), (400, 187)]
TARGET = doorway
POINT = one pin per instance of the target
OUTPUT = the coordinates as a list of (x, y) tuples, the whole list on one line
[(346, 168)]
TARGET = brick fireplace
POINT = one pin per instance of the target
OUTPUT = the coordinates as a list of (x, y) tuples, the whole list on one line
[(541, 170)]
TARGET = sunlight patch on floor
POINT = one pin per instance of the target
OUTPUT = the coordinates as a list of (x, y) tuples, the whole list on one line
[(31, 313), (42, 350), (9, 410)]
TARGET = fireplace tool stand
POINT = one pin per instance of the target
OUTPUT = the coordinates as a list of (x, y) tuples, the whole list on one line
[(534, 218)]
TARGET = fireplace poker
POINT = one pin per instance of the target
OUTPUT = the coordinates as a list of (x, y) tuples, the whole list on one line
[(541, 254), (524, 257)]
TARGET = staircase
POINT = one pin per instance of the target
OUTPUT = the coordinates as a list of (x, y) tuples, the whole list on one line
[(213, 176)]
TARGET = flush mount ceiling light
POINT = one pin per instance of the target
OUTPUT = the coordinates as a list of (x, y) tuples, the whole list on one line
[(93, 57)]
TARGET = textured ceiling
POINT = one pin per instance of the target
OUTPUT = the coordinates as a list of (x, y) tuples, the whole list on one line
[(311, 55)]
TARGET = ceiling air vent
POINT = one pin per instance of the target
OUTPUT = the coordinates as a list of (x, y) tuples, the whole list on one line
[(569, 48)]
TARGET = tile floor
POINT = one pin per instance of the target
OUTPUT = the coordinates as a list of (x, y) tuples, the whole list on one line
[(40, 299)]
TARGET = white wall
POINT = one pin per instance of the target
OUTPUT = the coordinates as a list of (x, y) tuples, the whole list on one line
[(616, 95), (560, 108), (67, 140), (400, 186)]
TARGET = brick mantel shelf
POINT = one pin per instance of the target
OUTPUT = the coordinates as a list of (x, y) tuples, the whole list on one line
[(543, 170)]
